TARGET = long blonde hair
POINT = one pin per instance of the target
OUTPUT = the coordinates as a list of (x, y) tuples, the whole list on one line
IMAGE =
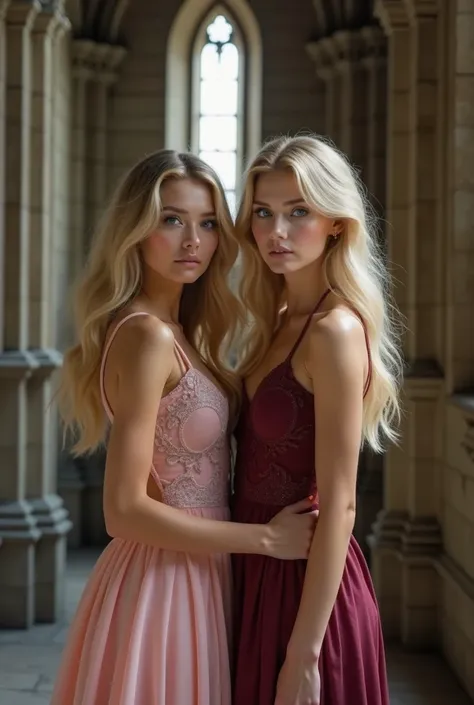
[(353, 268), (209, 313)]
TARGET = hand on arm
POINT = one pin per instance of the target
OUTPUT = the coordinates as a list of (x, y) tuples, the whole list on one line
[(337, 364), (142, 357)]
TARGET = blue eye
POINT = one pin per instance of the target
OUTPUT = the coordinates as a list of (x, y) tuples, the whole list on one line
[(209, 224), (172, 220), (300, 212), (262, 212)]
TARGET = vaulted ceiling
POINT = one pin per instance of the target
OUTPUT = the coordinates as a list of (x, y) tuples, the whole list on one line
[(332, 15), (101, 19), (97, 19)]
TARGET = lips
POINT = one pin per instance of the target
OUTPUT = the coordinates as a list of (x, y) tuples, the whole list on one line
[(280, 251), (188, 261)]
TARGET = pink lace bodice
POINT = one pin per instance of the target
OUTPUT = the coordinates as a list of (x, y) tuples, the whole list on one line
[(191, 457)]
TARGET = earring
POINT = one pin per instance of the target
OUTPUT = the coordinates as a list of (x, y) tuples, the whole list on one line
[(335, 236)]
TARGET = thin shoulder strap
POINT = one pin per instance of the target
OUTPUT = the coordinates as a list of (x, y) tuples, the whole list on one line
[(182, 356), (306, 325), (369, 357), (106, 352)]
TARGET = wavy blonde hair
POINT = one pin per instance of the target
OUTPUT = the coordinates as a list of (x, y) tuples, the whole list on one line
[(353, 267), (210, 313)]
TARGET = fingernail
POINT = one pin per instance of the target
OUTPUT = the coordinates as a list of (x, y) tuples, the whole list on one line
[(310, 497)]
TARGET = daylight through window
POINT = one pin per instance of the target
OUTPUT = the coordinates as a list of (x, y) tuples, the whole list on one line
[(219, 104)]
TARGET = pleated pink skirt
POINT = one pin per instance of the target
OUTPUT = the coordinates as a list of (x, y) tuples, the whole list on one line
[(152, 628)]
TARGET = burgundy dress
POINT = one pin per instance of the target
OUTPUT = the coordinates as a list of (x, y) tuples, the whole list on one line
[(275, 468)]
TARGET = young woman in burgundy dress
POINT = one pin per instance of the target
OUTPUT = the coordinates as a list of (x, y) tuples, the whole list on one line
[(321, 375)]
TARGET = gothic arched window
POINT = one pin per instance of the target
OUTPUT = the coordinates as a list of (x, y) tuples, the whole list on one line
[(218, 122), (214, 86)]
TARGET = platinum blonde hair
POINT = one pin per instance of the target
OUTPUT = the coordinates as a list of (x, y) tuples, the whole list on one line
[(209, 313), (354, 268)]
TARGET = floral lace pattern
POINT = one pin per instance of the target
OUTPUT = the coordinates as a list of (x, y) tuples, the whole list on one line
[(193, 393), (266, 471)]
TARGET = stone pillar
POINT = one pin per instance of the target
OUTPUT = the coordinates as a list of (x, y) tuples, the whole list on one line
[(70, 478), (322, 53), (52, 518), (3, 8), (81, 74), (424, 384), (372, 139), (105, 60), (385, 540), (17, 524), (94, 72), (353, 101), (375, 65), (413, 177)]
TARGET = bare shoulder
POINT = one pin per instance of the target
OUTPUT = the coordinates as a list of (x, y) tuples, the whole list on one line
[(336, 343), (141, 339), (337, 328)]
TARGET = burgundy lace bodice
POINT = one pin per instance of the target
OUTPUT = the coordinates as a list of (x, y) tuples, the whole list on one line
[(276, 437)]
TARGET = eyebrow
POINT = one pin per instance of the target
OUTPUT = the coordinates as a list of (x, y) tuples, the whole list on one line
[(175, 209), (291, 202)]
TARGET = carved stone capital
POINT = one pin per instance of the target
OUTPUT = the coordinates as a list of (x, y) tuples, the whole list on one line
[(21, 14), (82, 50), (3, 9), (466, 403), (97, 61), (422, 9), (393, 14), (349, 47), (321, 65), (375, 46), (324, 54)]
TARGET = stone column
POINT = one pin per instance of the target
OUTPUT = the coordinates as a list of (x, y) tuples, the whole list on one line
[(3, 9), (81, 75), (105, 60), (412, 214), (387, 533), (322, 53), (95, 71), (52, 518), (17, 524), (424, 384), (375, 65), (373, 142), (353, 102), (70, 479)]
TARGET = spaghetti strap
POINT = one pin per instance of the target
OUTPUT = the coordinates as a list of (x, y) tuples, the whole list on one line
[(306, 325), (182, 356), (369, 359), (106, 352)]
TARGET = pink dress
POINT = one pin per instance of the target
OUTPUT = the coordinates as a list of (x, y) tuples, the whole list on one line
[(153, 626)]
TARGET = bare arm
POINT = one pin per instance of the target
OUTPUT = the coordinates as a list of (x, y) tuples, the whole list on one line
[(337, 364), (142, 360)]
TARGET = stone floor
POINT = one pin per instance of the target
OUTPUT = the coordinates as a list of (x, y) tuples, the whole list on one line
[(28, 660)]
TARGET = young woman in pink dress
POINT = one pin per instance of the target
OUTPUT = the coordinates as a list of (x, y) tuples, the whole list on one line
[(321, 374), (154, 311)]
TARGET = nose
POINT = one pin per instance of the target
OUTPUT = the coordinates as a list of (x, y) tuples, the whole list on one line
[(191, 239), (280, 231)]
